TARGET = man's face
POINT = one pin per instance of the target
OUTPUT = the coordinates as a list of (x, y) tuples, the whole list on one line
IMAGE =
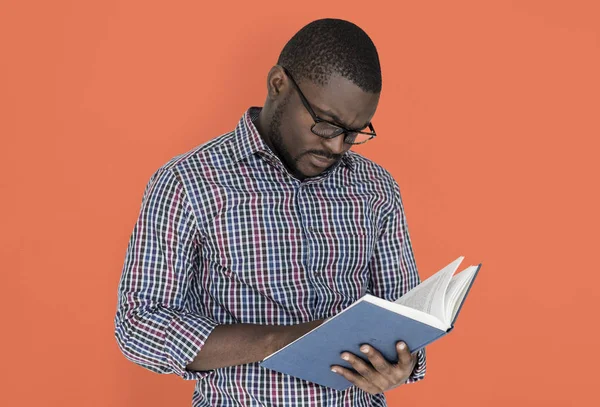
[(304, 153)]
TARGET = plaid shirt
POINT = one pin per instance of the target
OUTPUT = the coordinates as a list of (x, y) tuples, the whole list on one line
[(226, 235)]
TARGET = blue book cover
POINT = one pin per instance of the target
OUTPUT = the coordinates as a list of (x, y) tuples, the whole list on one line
[(367, 321)]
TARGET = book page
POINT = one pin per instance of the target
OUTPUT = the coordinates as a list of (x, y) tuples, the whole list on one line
[(429, 296), (456, 291), (408, 312), (459, 290)]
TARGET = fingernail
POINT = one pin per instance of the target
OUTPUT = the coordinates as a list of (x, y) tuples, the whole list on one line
[(333, 370), (345, 357), (364, 349), (402, 346)]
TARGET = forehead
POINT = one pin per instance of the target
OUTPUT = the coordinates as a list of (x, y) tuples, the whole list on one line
[(342, 98)]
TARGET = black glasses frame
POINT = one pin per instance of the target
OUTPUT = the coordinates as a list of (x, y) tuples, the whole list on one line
[(317, 119)]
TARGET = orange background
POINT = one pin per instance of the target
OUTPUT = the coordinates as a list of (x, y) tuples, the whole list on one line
[(488, 119)]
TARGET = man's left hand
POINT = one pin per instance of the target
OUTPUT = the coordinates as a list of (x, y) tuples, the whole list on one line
[(380, 375)]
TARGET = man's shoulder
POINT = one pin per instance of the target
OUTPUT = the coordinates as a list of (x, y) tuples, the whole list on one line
[(192, 167), (214, 152)]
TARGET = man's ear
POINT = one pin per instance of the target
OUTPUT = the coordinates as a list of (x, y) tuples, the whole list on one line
[(277, 82)]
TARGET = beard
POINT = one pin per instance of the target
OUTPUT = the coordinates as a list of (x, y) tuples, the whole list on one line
[(277, 139)]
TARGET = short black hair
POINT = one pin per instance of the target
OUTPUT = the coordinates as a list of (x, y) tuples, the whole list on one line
[(327, 46)]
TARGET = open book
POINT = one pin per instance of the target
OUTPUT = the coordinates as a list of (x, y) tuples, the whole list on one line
[(419, 317)]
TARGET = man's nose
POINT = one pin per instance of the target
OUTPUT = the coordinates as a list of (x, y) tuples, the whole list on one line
[(336, 145)]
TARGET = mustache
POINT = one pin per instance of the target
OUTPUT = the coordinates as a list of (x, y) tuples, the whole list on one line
[(325, 154)]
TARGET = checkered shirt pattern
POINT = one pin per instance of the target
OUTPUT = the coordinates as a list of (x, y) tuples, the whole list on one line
[(227, 235)]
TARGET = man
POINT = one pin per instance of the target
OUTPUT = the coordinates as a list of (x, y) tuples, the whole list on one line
[(251, 240)]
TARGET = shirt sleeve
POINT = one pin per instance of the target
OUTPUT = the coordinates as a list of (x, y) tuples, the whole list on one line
[(393, 270), (153, 326)]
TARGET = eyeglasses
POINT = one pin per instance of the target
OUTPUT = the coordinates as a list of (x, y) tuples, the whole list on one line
[(326, 129)]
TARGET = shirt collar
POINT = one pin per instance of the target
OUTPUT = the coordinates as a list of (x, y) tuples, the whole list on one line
[(247, 139)]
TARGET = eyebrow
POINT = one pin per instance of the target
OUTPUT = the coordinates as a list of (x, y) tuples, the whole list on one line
[(338, 120)]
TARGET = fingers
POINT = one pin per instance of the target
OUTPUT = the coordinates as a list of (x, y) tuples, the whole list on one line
[(363, 368), (377, 360), (374, 377), (357, 379), (378, 375), (405, 359)]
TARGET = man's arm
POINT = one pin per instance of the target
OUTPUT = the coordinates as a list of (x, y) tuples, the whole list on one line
[(152, 326), (237, 344)]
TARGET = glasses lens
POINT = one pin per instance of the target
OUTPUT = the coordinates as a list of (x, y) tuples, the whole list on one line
[(357, 138), (327, 130)]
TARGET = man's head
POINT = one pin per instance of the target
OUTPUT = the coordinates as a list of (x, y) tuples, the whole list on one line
[(335, 66)]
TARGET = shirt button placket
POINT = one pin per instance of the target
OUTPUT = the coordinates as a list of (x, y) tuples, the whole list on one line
[(300, 189)]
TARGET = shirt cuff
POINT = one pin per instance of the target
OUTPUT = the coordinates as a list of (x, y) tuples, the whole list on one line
[(185, 337), (418, 372)]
